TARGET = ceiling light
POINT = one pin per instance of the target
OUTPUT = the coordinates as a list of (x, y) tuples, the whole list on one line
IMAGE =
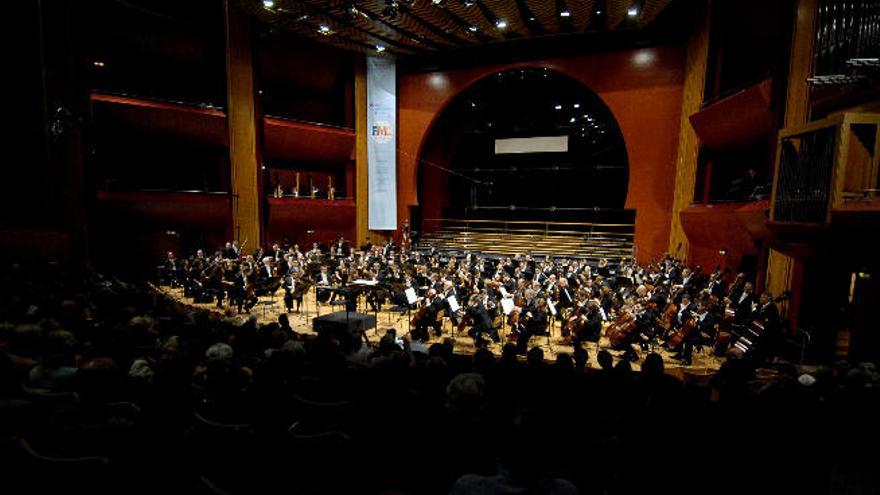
[(268, 4), (439, 3), (632, 11), (468, 3), (501, 24), (324, 29), (531, 19), (577, 105), (98, 63), (558, 107), (571, 120), (472, 29), (380, 48), (564, 13)]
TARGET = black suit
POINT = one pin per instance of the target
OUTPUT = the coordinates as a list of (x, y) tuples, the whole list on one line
[(536, 325)]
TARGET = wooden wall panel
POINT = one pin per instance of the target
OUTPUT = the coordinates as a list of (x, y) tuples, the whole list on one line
[(688, 142), (241, 112)]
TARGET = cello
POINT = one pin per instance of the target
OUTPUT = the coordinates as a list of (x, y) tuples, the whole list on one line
[(678, 337), (618, 331)]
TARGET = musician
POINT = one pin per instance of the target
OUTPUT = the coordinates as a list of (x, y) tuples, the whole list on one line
[(703, 333), (482, 322), (685, 309), (532, 321), (744, 304), (292, 292), (229, 252), (323, 283), (169, 270), (591, 328), (432, 304), (767, 315)]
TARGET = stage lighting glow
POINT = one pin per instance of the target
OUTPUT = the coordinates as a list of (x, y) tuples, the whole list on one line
[(380, 48), (472, 29), (632, 11), (558, 107), (324, 29), (565, 13), (268, 4), (577, 105), (501, 24)]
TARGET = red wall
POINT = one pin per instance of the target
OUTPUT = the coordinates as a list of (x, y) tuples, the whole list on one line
[(642, 88)]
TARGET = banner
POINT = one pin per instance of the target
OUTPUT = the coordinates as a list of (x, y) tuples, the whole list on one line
[(382, 143)]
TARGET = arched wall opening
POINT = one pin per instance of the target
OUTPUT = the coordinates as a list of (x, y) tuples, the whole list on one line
[(569, 151)]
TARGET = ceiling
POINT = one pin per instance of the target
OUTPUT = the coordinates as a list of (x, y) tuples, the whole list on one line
[(408, 28)]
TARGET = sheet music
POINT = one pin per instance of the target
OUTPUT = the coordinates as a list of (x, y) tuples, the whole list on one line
[(411, 297), (551, 307), (453, 304), (507, 305), (361, 281)]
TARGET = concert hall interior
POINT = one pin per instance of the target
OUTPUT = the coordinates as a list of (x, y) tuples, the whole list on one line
[(389, 246)]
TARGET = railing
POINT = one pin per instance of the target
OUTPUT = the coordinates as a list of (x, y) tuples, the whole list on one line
[(822, 164)]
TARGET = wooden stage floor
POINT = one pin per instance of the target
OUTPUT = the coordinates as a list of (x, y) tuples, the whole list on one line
[(704, 363)]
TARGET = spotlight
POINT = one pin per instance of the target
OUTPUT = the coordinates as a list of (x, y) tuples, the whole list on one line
[(268, 4), (439, 3), (565, 13), (501, 24), (531, 19), (572, 120), (380, 48), (722, 252), (598, 12), (633, 11), (468, 3)]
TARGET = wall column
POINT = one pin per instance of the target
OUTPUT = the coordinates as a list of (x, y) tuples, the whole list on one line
[(242, 123), (780, 267), (688, 143)]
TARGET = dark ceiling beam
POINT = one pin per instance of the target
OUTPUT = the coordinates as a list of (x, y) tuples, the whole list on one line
[(458, 40), (465, 26), (374, 17), (310, 30), (492, 19), (311, 9), (527, 16)]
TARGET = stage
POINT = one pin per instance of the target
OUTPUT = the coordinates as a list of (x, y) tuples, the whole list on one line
[(704, 364)]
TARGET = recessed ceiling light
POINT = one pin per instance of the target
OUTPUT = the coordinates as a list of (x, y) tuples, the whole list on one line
[(577, 105), (98, 63), (439, 3), (501, 24), (380, 48), (633, 11), (558, 107), (564, 13), (572, 120), (324, 29), (472, 29), (468, 3), (532, 19), (268, 4)]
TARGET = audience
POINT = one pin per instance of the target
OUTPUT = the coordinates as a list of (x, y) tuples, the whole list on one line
[(177, 397)]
